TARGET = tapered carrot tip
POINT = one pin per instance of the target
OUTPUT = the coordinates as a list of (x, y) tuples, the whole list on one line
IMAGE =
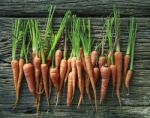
[(128, 79)]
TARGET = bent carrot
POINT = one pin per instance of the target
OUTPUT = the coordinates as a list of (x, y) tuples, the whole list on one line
[(20, 78), (68, 70)]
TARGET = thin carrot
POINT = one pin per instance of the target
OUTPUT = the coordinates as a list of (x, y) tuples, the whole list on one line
[(86, 42), (69, 90), (74, 74), (118, 54), (105, 74), (87, 87), (130, 71)]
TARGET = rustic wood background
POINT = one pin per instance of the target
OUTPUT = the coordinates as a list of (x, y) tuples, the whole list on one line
[(137, 104)]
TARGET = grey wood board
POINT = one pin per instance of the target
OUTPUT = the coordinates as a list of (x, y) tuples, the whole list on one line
[(29, 8), (135, 104)]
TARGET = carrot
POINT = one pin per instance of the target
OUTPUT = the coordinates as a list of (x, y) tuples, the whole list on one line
[(80, 78), (118, 54), (74, 74), (37, 71), (63, 70), (94, 55), (15, 70), (87, 87), (45, 70), (54, 76), (130, 71), (126, 65), (20, 78), (96, 74), (69, 90), (86, 42), (105, 73), (48, 61), (102, 61), (82, 58), (29, 75), (68, 70), (58, 57)]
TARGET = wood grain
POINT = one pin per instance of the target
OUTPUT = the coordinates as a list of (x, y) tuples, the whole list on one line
[(134, 105), (38, 8)]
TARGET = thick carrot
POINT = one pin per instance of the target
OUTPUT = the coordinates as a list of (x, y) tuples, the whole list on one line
[(58, 57), (80, 77), (37, 71), (96, 74), (15, 70), (94, 56), (105, 74), (113, 69), (29, 75), (91, 76), (118, 63), (69, 90), (74, 74), (44, 71), (87, 87), (54, 76), (20, 79)]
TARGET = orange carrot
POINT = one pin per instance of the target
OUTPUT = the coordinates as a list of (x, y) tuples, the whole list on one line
[(74, 74), (105, 73), (63, 70), (126, 65), (91, 76), (82, 58), (80, 78), (54, 76), (37, 71), (113, 69), (96, 74), (29, 75), (20, 79), (69, 90), (102, 61), (109, 58), (128, 79), (68, 70), (87, 87), (94, 56), (58, 57), (118, 63), (44, 71), (15, 70)]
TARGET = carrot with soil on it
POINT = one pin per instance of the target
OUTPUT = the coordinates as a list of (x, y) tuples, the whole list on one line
[(130, 71), (118, 54), (86, 43)]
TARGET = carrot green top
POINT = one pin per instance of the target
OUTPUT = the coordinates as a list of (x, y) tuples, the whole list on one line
[(86, 39)]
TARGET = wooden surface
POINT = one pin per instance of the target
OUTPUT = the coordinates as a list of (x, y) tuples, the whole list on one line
[(137, 104)]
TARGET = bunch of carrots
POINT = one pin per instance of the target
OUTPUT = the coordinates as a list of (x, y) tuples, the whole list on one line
[(83, 68)]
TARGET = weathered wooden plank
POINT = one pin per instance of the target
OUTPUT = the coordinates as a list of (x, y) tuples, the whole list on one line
[(29, 8), (103, 111)]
